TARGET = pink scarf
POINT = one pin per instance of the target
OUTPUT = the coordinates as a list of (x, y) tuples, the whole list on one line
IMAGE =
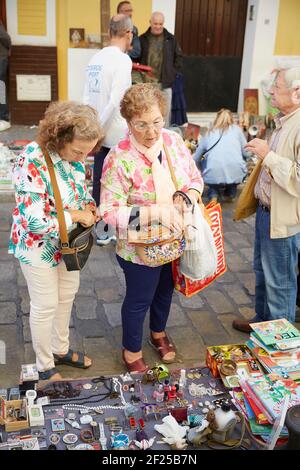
[(164, 186)]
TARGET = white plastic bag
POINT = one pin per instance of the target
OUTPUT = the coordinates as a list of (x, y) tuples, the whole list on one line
[(199, 259)]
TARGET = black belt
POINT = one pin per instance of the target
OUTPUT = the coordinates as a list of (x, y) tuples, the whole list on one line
[(264, 208)]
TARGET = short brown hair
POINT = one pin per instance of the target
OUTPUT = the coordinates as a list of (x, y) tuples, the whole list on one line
[(67, 120), (140, 98), (120, 6)]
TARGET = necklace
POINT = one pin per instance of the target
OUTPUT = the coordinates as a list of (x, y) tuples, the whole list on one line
[(115, 384)]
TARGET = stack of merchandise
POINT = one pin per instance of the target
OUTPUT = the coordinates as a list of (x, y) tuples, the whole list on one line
[(276, 344), (262, 400)]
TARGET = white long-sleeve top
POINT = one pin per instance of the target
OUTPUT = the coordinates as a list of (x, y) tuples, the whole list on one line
[(108, 76)]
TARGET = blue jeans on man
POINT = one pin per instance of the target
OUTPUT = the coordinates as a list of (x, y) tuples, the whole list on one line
[(275, 267)]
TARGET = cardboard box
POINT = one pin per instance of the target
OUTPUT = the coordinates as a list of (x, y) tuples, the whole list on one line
[(227, 351), (6, 421)]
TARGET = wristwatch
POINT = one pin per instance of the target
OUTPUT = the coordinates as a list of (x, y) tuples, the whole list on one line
[(103, 439)]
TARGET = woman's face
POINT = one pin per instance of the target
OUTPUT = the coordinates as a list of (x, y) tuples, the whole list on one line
[(147, 127), (77, 150)]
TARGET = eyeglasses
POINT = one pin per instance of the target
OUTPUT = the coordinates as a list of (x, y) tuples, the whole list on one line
[(143, 126)]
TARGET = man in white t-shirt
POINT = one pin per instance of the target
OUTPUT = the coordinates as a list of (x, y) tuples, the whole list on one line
[(108, 76)]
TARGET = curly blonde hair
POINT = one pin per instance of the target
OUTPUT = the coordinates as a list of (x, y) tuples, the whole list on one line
[(140, 98), (67, 120)]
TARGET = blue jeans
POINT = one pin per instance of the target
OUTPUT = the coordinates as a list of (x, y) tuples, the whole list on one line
[(275, 267), (98, 166), (145, 288)]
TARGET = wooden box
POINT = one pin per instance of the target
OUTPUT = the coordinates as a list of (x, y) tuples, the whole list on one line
[(5, 420)]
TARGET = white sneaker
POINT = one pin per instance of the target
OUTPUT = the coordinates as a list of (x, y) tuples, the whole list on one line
[(4, 125)]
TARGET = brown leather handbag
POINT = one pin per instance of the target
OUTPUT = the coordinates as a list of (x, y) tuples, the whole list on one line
[(153, 244), (247, 203), (76, 246)]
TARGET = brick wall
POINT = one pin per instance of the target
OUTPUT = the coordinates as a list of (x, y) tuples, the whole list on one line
[(31, 60)]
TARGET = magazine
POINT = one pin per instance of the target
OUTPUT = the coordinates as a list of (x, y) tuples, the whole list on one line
[(277, 332), (271, 394), (282, 365)]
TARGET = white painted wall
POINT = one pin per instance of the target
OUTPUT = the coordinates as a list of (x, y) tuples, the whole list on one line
[(21, 40), (168, 8), (78, 59), (259, 46)]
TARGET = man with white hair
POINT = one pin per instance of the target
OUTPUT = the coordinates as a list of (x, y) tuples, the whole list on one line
[(161, 51), (277, 232), (108, 76)]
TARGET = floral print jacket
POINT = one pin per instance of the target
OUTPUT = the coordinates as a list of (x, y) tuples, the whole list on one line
[(35, 230), (127, 181)]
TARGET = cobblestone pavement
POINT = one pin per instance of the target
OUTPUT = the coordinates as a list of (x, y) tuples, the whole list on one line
[(195, 323)]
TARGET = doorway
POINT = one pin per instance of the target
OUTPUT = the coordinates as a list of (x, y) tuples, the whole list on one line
[(3, 12)]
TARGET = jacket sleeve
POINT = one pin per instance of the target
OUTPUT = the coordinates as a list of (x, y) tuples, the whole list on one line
[(135, 52), (4, 38), (36, 210), (285, 172), (142, 59)]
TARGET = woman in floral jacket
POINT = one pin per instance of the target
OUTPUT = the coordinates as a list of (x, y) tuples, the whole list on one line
[(69, 132), (136, 186)]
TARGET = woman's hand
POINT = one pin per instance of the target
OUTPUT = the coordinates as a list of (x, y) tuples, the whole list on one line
[(85, 217), (172, 218), (259, 147), (92, 208), (95, 210)]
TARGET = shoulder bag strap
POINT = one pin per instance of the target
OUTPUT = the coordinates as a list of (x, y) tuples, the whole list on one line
[(58, 202), (171, 167)]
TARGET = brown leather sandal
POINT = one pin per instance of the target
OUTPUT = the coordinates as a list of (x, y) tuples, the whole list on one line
[(163, 346), (136, 367)]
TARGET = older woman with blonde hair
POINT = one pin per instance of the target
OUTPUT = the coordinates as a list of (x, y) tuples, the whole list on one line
[(137, 189), (68, 132), (220, 155)]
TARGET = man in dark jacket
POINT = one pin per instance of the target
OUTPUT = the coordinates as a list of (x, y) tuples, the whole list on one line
[(5, 45), (161, 51)]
